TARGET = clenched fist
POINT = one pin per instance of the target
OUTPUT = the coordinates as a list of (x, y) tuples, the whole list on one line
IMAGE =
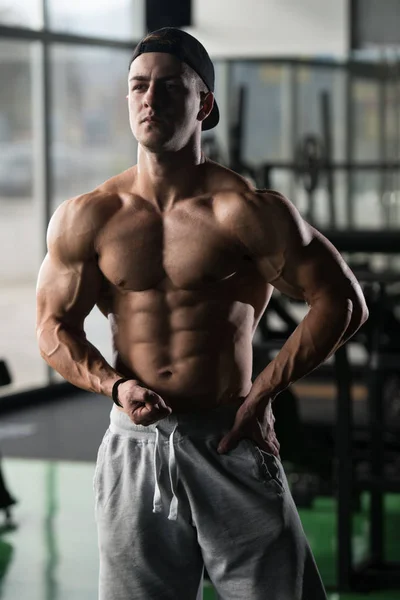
[(143, 406)]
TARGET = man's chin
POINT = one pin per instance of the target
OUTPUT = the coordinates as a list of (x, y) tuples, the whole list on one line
[(155, 143)]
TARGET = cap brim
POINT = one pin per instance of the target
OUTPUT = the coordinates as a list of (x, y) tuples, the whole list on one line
[(212, 119)]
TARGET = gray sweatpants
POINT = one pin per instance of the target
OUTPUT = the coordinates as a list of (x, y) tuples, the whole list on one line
[(166, 504)]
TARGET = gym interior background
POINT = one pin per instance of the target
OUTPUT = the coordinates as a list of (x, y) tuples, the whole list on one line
[(309, 94)]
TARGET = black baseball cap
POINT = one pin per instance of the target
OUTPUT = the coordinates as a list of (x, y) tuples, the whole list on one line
[(190, 51)]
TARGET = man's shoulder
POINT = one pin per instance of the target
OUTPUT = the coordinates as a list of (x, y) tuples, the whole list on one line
[(224, 183), (238, 197), (261, 219), (95, 206), (75, 224)]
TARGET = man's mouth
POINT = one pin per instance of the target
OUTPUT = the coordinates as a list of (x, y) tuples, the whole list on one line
[(151, 120)]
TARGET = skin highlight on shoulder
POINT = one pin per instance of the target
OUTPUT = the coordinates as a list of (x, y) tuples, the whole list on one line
[(76, 222)]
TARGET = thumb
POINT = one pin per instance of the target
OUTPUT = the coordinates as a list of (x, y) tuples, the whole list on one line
[(228, 442), (232, 438)]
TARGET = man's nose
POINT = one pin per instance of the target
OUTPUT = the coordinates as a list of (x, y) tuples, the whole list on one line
[(152, 96)]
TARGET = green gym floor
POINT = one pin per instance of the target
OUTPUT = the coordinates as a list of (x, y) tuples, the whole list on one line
[(51, 552)]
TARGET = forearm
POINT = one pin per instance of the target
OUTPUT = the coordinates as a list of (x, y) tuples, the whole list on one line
[(69, 352), (324, 329)]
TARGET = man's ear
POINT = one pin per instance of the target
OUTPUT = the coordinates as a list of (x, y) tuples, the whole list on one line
[(207, 103)]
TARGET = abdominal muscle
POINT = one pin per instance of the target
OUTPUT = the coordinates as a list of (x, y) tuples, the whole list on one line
[(194, 351)]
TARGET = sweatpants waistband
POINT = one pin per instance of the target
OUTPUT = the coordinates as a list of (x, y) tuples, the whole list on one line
[(196, 424)]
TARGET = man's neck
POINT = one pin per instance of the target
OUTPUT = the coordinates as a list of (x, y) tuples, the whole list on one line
[(166, 178)]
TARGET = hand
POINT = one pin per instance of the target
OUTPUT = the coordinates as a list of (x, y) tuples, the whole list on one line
[(256, 422), (143, 406)]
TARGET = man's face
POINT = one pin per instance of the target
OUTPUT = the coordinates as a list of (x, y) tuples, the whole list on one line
[(163, 102)]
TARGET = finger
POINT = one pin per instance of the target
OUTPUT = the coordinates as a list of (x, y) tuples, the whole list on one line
[(145, 397), (154, 403), (153, 398), (145, 414), (145, 422), (274, 440), (229, 442), (140, 394), (270, 445), (260, 441), (271, 449), (275, 449), (265, 445), (232, 438)]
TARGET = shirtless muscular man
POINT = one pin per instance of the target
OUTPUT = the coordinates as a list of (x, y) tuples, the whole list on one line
[(181, 255)]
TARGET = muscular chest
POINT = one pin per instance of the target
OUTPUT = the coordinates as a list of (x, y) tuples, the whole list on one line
[(139, 249)]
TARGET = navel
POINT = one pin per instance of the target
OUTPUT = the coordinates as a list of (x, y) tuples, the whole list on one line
[(166, 374)]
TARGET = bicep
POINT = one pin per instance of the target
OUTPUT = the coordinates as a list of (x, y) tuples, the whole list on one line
[(69, 279), (67, 292), (306, 264), (312, 267)]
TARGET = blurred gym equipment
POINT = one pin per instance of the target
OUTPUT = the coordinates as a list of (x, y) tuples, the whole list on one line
[(365, 458), (5, 377), (312, 164), (379, 471)]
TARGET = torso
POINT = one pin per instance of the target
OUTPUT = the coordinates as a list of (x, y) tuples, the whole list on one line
[(184, 299)]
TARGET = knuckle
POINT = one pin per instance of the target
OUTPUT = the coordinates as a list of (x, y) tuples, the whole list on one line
[(151, 397)]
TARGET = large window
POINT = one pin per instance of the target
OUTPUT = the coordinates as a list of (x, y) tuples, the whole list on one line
[(119, 19), (24, 13), (21, 210), (365, 98), (351, 110), (266, 111), (91, 139)]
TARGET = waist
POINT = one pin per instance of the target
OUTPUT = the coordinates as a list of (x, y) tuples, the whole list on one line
[(197, 382), (205, 424)]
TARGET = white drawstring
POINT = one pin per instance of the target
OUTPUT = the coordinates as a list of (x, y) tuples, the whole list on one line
[(173, 476), (157, 505)]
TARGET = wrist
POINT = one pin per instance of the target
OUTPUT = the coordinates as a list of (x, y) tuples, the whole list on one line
[(114, 391), (262, 394), (107, 386), (269, 383)]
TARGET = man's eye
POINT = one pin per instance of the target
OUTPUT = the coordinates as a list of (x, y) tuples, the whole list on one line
[(138, 87)]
